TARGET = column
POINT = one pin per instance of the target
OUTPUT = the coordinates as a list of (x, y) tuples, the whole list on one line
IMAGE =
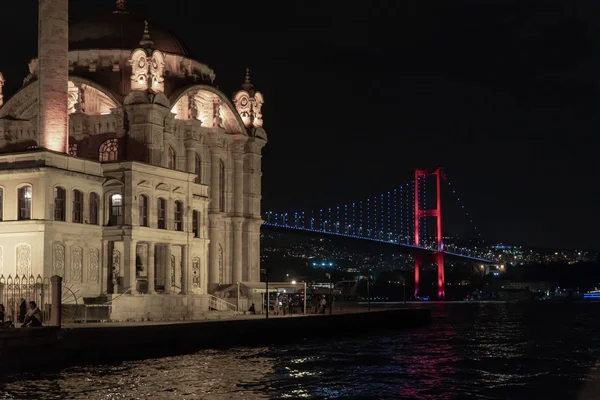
[(215, 190), (130, 264), (167, 265), (185, 273), (190, 158), (237, 223), (238, 182), (151, 268), (214, 239), (165, 153), (104, 267)]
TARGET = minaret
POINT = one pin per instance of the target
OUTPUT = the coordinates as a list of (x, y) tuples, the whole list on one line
[(53, 74)]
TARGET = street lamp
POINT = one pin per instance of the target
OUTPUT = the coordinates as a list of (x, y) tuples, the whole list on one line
[(369, 289), (265, 271), (328, 275)]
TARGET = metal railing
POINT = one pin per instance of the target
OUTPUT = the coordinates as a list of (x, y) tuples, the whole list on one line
[(218, 304), (13, 291)]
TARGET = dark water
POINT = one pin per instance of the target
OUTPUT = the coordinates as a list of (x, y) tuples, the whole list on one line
[(471, 351)]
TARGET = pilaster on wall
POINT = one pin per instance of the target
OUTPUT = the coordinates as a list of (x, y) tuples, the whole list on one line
[(253, 172), (215, 232), (146, 133)]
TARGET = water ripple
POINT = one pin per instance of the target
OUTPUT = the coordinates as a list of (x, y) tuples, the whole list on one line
[(471, 351)]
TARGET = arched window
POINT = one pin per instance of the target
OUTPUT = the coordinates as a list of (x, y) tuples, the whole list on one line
[(195, 222), (198, 169), (161, 213), (109, 150), (94, 208), (143, 210), (77, 213), (221, 186), (178, 215), (116, 210), (60, 197), (1, 202), (24, 195), (171, 158)]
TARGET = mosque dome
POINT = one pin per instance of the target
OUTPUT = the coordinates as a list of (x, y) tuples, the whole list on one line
[(120, 30)]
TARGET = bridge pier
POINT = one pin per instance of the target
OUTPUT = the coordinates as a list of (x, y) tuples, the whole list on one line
[(417, 268), (440, 273)]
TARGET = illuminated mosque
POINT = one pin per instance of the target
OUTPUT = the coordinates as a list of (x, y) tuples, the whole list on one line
[(126, 171)]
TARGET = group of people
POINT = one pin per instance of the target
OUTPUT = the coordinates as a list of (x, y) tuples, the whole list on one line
[(286, 304), (31, 317)]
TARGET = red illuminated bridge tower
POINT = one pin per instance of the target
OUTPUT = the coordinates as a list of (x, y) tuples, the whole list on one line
[(437, 213)]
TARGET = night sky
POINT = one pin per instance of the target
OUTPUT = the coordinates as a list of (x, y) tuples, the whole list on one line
[(503, 94)]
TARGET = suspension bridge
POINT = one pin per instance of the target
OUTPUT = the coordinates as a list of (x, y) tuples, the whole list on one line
[(409, 216)]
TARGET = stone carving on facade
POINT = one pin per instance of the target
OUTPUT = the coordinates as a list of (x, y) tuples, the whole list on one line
[(196, 272), (139, 70), (1, 85), (248, 103), (257, 108), (172, 270), (157, 70), (32, 71), (94, 264), (217, 120), (147, 65), (194, 108), (76, 264), (23, 259), (58, 262), (73, 102), (221, 266), (243, 106), (116, 266)]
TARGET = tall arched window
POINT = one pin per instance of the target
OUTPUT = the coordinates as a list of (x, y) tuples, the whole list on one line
[(109, 150), (143, 210), (171, 159), (178, 215), (24, 195), (198, 169), (77, 213), (116, 210), (195, 222), (94, 208), (60, 197), (162, 213), (1, 202), (221, 186)]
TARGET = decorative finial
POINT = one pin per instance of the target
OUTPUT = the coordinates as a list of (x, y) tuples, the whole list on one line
[(248, 86), (121, 7), (146, 42)]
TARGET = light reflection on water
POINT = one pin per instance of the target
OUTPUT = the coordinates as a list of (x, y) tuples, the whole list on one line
[(471, 351)]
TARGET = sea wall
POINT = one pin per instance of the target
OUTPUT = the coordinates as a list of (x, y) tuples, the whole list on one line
[(101, 344)]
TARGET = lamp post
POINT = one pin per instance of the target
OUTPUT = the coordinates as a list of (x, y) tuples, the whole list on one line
[(369, 289), (265, 271), (328, 275)]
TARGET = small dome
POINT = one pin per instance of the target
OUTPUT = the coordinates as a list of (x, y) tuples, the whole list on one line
[(120, 30)]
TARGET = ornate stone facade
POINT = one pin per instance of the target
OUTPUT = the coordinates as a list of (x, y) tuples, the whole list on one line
[(157, 189), (58, 257)]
